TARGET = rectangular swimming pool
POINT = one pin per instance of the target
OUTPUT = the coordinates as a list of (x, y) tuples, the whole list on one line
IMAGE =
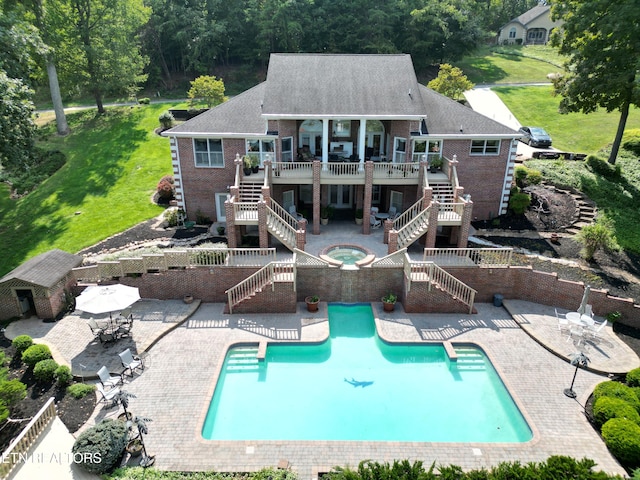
[(356, 387)]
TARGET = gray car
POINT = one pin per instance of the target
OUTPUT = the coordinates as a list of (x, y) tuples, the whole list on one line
[(535, 136)]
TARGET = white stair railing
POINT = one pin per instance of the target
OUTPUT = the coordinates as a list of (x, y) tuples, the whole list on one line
[(259, 280), (414, 228), (434, 275), (281, 229)]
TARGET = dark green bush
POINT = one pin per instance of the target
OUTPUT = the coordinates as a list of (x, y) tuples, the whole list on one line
[(63, 375), (11, 392), (606, 408), (21, 343), (35, 353), (166, 119), (144, 101), (603, 168), (519, 202), (80, 390), (631, 140), (99, 448), (520, 174), (45, 370), (617, 390), (622, 437), (633, 378), (534, 177)]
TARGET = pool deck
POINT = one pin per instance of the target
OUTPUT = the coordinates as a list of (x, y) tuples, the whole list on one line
[(186, 345)]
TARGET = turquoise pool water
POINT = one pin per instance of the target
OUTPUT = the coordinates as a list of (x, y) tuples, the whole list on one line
[(356, 387)]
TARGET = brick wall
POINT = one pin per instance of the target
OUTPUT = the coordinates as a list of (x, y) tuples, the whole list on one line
[(370, 284), (200, 184), (481, 176)]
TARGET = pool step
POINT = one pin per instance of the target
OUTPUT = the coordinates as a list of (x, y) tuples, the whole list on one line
[(243, 359), (470, 359)]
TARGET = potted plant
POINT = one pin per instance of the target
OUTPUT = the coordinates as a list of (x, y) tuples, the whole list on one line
[(312, 303), (246, 165), (255, 163), (134, 447), (359, 216), (220, 230), (435, 164), (326, 213), (122, 398), (389, 302)]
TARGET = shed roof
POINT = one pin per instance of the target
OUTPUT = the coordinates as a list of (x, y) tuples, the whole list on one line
[(46, 269)]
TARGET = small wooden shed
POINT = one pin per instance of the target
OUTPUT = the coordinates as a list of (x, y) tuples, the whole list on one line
[(38, 286)]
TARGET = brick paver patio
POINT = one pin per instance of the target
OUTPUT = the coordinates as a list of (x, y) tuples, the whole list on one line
[(175, 389)]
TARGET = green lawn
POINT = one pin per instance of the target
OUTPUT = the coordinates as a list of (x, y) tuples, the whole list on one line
[(113, 165), (572, 132), (511, 64)]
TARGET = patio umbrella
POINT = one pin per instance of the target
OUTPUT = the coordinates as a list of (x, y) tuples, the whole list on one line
[(108, 298), (585, 300)]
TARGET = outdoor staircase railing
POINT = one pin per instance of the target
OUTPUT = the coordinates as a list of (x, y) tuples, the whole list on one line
[(411, 224), (434, 275), (267, 275), (282, 225)]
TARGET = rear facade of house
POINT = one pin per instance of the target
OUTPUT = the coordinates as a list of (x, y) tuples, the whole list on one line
[(353, 132)]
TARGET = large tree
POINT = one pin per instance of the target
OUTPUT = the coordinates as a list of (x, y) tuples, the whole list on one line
[(602, 41), (100, 44)]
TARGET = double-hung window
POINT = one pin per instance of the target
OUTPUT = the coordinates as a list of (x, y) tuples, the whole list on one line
[(485, 147), (208, 152)]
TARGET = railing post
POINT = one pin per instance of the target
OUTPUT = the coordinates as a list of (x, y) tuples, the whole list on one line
[(230, 301), (467, 211)]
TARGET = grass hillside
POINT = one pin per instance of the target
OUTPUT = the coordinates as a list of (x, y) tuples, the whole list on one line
[(574, 132), (511, 64), (114, 162)]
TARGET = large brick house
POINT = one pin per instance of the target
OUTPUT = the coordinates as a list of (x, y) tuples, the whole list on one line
[(350, 131)]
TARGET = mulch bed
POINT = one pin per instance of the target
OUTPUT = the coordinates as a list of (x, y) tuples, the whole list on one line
[(73, 413)]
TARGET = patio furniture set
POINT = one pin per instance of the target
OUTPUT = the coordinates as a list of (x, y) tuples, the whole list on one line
[(109, 383), (112, 330), (580, 326)]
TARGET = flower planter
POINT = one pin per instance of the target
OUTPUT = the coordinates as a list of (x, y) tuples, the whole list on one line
[(134, 448), (312, 303), (188, 299), (388, 307)]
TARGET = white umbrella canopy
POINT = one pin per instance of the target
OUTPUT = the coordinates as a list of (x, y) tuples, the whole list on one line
[(107, 298), (585, 300)]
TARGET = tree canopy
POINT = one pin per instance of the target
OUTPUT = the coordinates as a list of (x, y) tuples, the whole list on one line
[(208, 89), (601, 39), (450, 82)]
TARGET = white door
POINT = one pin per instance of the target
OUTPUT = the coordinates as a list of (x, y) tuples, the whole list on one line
[(220, 211), (340, 196)]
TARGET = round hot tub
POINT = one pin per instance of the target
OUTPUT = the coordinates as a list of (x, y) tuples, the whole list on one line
[(347, 255)]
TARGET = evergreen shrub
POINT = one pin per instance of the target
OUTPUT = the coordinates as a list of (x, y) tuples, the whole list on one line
[(21, 343), (35, 353), (606, 408), (617, 390), (99, 448), (45, 370), (622, 437)]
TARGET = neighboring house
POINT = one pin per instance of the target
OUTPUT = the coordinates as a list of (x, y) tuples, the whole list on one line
[(350, 131), (533, 27)]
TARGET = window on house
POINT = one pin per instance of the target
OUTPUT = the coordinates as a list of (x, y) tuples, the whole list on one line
[(376, 191), (485, 147), (399, 149), (262, 148), (419, 150), (288, 199), (208, 152), (287, 149), (395, 200), (512, 32), (342, 128)]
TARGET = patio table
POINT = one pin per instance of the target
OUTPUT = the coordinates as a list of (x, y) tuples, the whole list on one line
[(579, 319)]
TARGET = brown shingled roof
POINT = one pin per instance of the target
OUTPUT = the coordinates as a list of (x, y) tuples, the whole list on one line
[(46, 269)]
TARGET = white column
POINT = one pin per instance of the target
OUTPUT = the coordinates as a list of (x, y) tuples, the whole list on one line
[(325, 143), (362, 142)]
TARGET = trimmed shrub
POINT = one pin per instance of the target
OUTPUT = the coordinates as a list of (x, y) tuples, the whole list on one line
[(603, 168), (45, 370), (598, 235), (617, 390), (35, 353), (63, 375), (144, 101), (171, 217), (606, 408), (622, 438), (633, 378), (165, 189), (534, 177), (519, 202), (520, 174), (11, 392), (631, 140), (21, 343), (99, 448), (80, 390), (166, 119)]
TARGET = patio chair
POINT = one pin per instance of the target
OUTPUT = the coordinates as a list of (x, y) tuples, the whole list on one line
[(107, 395), (130, 362), (588, 310), (375, 223), (596, 330), (392, 213), (107, 380), (125, 316), (95, 328), (374, 210), (576, 331), (563, 323), (294, 213), (124, 329)]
